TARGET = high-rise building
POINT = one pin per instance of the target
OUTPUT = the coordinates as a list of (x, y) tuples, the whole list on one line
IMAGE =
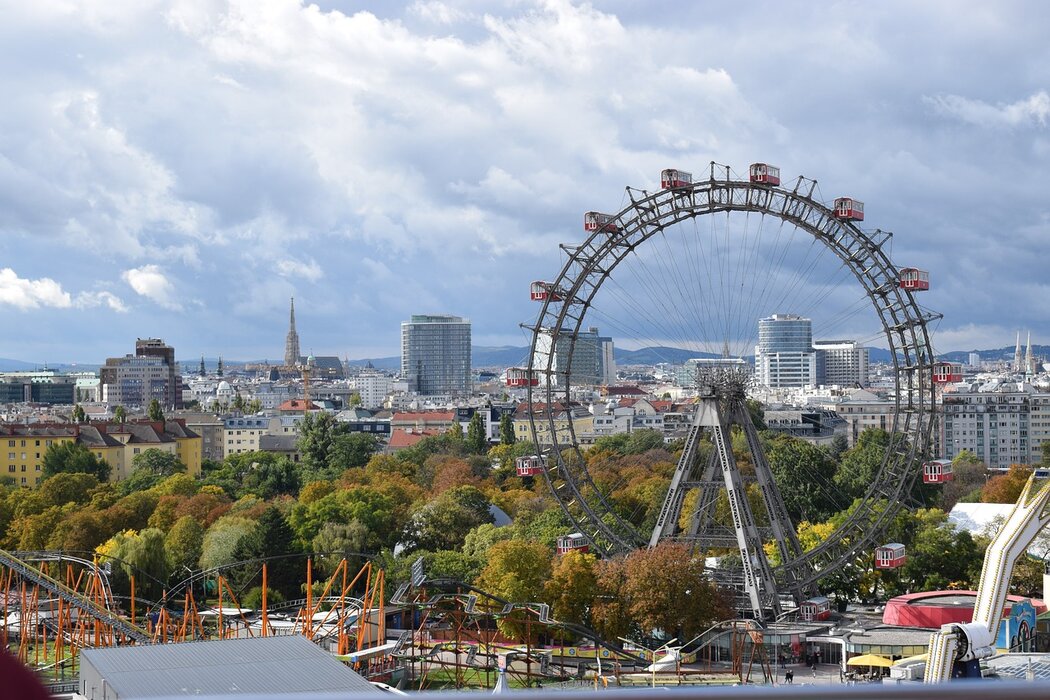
[(606, 360), (435, 354), (588, 358), (292, 355), (784, 356), (135, 380), (841, 363)]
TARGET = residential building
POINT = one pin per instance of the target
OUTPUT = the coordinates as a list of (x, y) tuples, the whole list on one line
[(994, 421), (116, 443), (210, 428), (574, 415), (815, 425), (784, 356), (155, 347), (841, 363), (861, 409), (242, 433), (373, 388), (435, 355)]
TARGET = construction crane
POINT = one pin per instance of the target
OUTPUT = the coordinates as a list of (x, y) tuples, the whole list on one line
[(957, 649)]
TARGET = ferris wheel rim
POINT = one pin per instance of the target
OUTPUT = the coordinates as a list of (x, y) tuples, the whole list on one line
[(587, 268)]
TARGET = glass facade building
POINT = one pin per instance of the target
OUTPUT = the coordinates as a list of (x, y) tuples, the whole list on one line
[(435, 355), (784, 356)]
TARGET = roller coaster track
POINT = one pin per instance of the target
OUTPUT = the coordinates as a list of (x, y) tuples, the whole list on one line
[(81, 603)]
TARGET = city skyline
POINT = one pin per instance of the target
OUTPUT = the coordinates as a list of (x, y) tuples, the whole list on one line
[(179, 171)]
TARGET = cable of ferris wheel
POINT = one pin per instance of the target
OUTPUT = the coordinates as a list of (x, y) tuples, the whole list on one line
[(686, 285)]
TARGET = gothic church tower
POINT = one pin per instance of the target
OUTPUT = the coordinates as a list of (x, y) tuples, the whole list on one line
[(291, 343)]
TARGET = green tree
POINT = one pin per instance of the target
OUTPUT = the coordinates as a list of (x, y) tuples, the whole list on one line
[(445, 521), (803, 473), (515, 571), (221, 540), (238, 403), (337, 541), (78, 415), (154, 411), (1006, 488), (143, 556), (271, 478), (273, 538), (150, 468), (120, 414), (506, 430), (66, 457), (317, 433), (477, 441), (969, 475), (351, 451), (184, 544), (861, 463)]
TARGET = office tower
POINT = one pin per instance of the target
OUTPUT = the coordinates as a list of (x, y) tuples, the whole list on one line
[(784, 356), (135, 380), (588, 366), (435, 354), (841, 363)]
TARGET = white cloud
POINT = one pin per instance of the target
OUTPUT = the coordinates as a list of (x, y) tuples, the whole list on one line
[(31, 294), (150, 281), (26, 294), (304, 270), (1031, 111)]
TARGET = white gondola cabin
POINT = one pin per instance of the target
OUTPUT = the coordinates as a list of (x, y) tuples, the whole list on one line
[(947, 373), (596, 221), (890, 556), (937, 471), (529, 466), (914, 279), (542, 291), (848, 209), (762, 174), (671, 178), (518, 376), (576, 541), (816, 608)]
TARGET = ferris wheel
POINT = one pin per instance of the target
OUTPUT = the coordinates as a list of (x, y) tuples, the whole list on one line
[(695, 266)]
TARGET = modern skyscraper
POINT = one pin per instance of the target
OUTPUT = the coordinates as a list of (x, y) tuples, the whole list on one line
[(588, 360), (435, 354), (784, 356), (292, 356)]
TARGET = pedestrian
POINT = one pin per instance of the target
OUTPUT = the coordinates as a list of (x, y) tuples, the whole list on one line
[(789, 676)]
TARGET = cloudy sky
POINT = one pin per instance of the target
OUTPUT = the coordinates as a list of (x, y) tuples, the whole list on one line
[(181, 168)]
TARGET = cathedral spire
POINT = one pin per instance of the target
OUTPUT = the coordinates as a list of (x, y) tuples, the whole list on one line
[(1029, 363), (1018, 367), (291, 342)]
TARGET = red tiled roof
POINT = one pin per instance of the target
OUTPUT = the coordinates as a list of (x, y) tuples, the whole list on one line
[(400, 438), (298, 405)]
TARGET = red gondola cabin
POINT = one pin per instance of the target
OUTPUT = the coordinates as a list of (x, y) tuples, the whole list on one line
[(596, 221), (849, 209), (914, 279), (818, 608), (947, 373), (675, 178), (575, 541), (517, 376), (890, 556), (762, 174), (541, 291), (937, 472), (529, 466)]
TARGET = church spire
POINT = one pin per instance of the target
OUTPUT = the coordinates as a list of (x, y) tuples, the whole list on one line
[(1018, 366), (291, 342), (1029, 363)]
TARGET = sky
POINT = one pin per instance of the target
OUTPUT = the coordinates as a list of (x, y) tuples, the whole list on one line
[(180, 169)]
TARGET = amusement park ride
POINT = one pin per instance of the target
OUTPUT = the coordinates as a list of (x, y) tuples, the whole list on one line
[(679, 206)]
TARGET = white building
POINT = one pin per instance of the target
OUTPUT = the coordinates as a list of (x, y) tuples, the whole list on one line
[(784, 356), (841, 363), (373, 388)]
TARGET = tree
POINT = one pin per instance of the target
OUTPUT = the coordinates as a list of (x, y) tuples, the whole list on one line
[(667, 590), (338, 541), (803, 473), (610, 612), (154, 411), (271, 538), (861, 463), (71, 457), (317, 433), (445, 521), (150, 468), (184, 543), (351, 451), (222, 538), (271, 478), (78, 415), (1006, 488), (477, 441), (120, 414), (969, 475), (515, 571), (506, 430), (572, 587)]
